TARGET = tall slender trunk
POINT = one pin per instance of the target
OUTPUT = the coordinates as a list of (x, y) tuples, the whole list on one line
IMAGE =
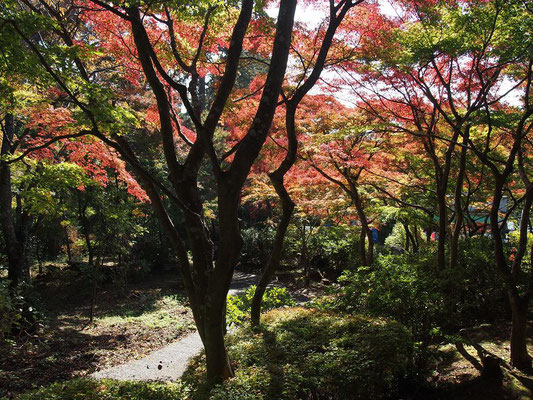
[(520, 357), (305, 257), (67, 242), (95, 286), (443, 223), (86, 228), (459, 216), (18, 268), (367, 251), (409, 238), (277, 176), (519, 304), (407, 244), (362, 246), (277, 248)]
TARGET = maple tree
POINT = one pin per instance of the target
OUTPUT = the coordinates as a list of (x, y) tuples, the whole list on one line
[(174, 50), (445, 82), (197, 108)]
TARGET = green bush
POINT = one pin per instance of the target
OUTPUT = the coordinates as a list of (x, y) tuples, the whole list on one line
[(330, 247), (397, 287), (257, 244), (304, 353), (238, 307), (88, 389), (412, 290), (18, 311)]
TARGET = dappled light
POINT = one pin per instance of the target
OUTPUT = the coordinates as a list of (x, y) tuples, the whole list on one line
[(275, 200)]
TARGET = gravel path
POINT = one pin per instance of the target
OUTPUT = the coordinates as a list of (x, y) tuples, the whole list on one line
[(170, 362)]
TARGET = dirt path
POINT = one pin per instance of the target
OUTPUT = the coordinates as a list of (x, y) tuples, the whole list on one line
[(170, 362)]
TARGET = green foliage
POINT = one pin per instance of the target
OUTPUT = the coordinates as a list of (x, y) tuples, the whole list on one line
[(45, 186), (335, 247), (454, 30), (257, 243), (397, 237), (329, 247), (18, 311), (238, 307), (410, 289), (303, 353), (88, 389)]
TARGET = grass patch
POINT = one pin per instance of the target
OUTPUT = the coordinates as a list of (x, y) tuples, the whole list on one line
[(149, 315), (89, 389), (163, 312)]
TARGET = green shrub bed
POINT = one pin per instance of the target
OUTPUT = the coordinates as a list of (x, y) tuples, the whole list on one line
[(304, 353)]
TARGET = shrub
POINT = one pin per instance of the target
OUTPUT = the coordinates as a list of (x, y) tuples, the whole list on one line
[(238, 307), (304, 353), (257, 244), (410, 289), (397, 287), (88, 389), (18, 312), (329, 247)]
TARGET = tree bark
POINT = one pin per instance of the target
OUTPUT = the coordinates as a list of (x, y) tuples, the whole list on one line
[(367, 253), (519, 353), (18, 268), (459, 216), (443, 223), (277, 248), (519, 304)]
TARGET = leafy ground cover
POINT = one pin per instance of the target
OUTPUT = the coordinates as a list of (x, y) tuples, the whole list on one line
[(128, 324), (298, 352), (304, 353), (88, 389)]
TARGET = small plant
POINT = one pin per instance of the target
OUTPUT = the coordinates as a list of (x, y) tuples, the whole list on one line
[(18, 313), (238, 307)]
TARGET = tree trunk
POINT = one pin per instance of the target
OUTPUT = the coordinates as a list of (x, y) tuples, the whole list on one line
[(18, 270), (519, 304), (218, 363), (410, 238), (277, 248), (407, 237), (305, 258), (86, 229), (95, 287), (454, 237), (39, 258), (67, 242), (443, 223), (367, 254), (519, 354)]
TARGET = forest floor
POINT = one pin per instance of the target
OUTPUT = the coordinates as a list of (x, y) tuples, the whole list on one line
[(457, 371), (170, 362), (128, 324), (151, 317)]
